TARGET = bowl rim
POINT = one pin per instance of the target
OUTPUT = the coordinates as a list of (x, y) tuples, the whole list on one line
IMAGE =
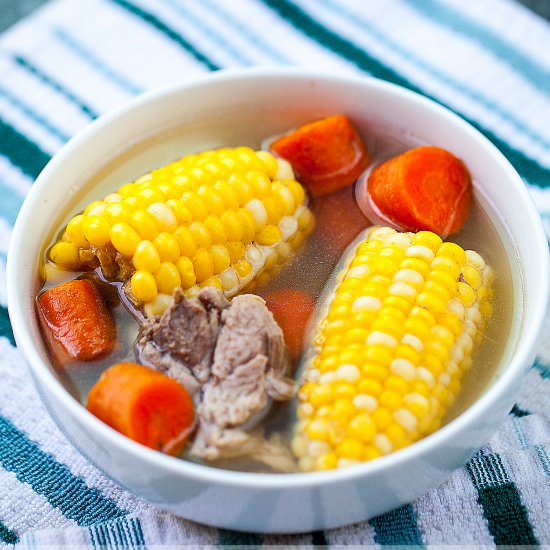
[(42, 374)]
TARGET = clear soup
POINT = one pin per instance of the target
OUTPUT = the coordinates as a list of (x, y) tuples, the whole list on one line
[(311, 268)]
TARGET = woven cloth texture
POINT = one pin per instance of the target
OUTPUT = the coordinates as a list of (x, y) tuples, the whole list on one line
[(71, 61)]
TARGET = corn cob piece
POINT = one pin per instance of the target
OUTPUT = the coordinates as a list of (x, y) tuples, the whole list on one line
[(388, 356), (217, 218)]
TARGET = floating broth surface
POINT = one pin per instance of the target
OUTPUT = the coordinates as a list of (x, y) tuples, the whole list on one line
[(339, 220)]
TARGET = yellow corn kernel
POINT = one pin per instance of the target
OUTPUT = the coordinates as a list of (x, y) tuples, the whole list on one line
[(318, 429), (167, 277), (447, 265), (143, 286), (187, 272), (201, 235), (452, 251), (297, 191), (471, 276), (445, 280), (243, 268), (65, 255), (362, 428), (95, 208), (322, 395), (270, 163), (167, 247), (203, 265), (465, 294), (220, 258), (232, 225), (273, 209), (216, 229), (427, 239), (75, 231), (213, 201), (150, 196), (227, 194), (213, 281), (247, 224), (242, 188), (328, 461), (96, 230), (432, 303), (350, 448), (145, 224), (269, 236), (186, 242), (124, 239), (196, 205), (236, 249), (146, 258), (164, 215), (260, 182)]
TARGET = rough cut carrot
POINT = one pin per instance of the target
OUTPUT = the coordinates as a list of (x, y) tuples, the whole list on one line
[(339, 220), (327, 154), (425, 188), (292, 310), (76, 321), (145, 405)]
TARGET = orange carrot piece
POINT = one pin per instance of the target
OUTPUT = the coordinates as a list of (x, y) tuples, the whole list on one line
[(76, 322), (327, 154), (291, 310), (424, 188), (144, 405), (339, 220)]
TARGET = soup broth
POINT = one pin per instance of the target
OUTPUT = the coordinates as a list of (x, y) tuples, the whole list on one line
[(310, 270)]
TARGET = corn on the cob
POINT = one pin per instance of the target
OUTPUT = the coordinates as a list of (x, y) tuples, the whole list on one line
[(388, 356), (217, 218)]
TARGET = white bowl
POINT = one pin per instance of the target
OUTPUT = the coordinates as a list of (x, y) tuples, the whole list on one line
[(277, 99)]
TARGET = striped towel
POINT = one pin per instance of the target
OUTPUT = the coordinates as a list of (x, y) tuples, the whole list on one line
[(488, 61)]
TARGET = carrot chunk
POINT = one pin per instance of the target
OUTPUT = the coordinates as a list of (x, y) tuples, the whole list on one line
[(144, 405), (292, 310), (327, 154), (76, 322), (425, 188)]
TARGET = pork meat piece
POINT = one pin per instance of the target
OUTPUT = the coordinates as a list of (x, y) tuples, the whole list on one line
[(181, 342), (230, 356), (249, 367)]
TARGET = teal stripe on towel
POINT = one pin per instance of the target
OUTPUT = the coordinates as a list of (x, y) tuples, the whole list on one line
[(93, 60), (457, 22), (52, 83), (167, 31), (20, 151), (211, 32), (500, 501), (253, 34), (397, 528), (119, 533), (517, 412), (318, 539), (530, 169), (542, 369), (31, 114), (364, 25), (5, 325), (238, 539), (7, 536), (53, 480), (10, 203)]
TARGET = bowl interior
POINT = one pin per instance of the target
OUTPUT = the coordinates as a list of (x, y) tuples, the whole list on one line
[(224, 111)]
